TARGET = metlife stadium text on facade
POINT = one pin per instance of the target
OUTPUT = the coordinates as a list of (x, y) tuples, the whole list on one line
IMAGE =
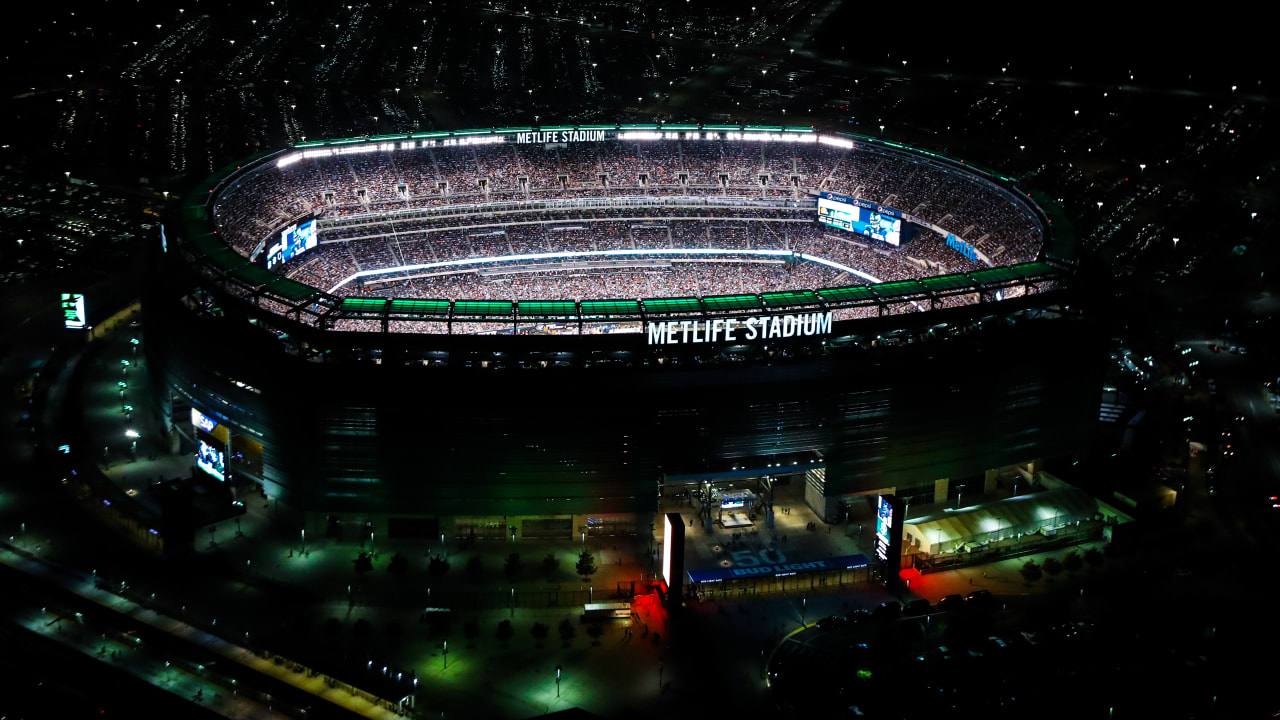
[(678, 332)]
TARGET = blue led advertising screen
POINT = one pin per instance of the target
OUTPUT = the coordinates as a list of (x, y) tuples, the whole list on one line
[(860, 216), (294, 240)]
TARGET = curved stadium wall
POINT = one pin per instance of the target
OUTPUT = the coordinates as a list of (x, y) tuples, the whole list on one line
[(375, 424)]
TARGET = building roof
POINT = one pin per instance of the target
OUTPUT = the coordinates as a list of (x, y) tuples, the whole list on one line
[(1023, 513)]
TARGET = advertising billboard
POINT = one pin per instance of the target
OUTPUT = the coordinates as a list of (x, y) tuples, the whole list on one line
[(294, 240), (889, 535), (211, 459), (884, 527), (73, 314), (673, 557), (859, 216)]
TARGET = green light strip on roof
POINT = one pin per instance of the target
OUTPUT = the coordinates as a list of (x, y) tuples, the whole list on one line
[(721, 127), (610, 307), (429, 135), (513, 129), (800, 297), (550, 128), (679, 127), (363, 303), (638, 126), (672, 304), (481, 307), (404, 305), (471, 132), (798, 129)]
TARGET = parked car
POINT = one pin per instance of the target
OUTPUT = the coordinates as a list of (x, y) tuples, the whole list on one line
[(951, 602), (889, 610), (917, 607), (981, 598)]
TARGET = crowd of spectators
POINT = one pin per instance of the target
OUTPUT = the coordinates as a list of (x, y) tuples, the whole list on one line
[(261, 202)]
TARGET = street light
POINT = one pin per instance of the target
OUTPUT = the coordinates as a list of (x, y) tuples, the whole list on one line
[(445, 654), (558, 681)]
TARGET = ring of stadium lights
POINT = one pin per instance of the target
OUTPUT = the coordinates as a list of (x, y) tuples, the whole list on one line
[(198, 219)]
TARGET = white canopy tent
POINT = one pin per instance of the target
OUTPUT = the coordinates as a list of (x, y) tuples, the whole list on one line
[(1025, 514)]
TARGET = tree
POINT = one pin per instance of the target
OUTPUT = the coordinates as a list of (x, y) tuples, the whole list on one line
[(398, 565), (504, 632), (567, 631), (438, 566), (512, 565), (1030, 572), (1093, 557), (539, 632), (475, 566), (1072, 561), (586, 564), (550, 564), (364, 563), (471, 629), (595, 630), (1052, 566), (394, 630), (362, 629), (332, 628)]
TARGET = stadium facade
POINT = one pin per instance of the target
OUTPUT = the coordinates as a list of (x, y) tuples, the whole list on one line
[(345, 382)]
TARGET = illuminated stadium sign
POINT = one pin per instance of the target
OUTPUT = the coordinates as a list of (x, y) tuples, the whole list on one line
[(560, 136), (889, 534), (202, 421), (666, 549), (865, 218), (884, 527), (961, 247), (715, 575), (767, 327), (73, 315)]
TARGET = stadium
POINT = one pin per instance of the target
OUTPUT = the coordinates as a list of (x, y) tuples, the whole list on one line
[(539, 330)]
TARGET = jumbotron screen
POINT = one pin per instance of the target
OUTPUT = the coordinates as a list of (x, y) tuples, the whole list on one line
[(211, 460), (846, 213), (294, 240)]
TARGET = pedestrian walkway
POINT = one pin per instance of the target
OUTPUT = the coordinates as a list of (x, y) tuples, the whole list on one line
[(146, 667), (84, 586)]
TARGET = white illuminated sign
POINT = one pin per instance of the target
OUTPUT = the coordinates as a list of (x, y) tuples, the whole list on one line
[(666, 549), (884, 527), (73, 316), (560, 136), (202, 421), (766, 327)]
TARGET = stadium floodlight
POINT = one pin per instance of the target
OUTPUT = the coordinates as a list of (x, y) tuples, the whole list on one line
[(131, 434)]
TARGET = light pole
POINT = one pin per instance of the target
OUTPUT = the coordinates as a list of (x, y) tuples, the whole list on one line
[(445, 654), (557, 681), (804, 606)]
